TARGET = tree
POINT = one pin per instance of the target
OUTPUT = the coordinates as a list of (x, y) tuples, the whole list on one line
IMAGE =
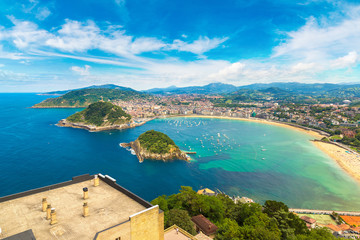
[(243, 211), (317, 234), (182, 219), (229, 229), (271, 207)]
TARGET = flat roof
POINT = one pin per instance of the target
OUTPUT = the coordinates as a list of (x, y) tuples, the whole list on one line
[(108, 206), (171, 234)]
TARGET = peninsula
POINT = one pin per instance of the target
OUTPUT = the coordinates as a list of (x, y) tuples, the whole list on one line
[(100, 116), (156, 146), (84, 97)]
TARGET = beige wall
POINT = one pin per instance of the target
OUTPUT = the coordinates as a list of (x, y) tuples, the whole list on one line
[(123, 231), (145, 225)]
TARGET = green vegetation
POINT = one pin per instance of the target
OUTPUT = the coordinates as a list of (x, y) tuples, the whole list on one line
[(272, 221), (99, 114), (157, 142), (85, 97)]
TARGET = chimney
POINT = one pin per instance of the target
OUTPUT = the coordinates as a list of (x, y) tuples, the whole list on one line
[(53, 217), (86, 193), (96, 181), (85, 209), (44, 204), (48, 212)]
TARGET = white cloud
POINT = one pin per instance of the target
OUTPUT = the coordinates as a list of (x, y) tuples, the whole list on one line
[(24, 33), (323, 38), (43, 13), (75, 36), (83, 71), (230, 72), (200, 46), (348, 60)]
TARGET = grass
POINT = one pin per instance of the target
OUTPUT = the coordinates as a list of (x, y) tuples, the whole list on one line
[(320, 219)]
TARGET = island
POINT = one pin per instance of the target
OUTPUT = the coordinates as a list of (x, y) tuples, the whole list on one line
[(156, 146), (100, 116)]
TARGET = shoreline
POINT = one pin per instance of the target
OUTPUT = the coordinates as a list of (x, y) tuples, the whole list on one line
[(348, 162)]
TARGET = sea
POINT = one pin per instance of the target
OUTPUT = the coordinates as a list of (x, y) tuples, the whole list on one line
[(240, 158)]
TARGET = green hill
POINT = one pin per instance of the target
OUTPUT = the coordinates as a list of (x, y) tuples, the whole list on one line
[(157, 142), (85, 97), (100, 114)]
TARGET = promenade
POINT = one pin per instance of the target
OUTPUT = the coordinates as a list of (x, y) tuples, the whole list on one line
[(326, 212)]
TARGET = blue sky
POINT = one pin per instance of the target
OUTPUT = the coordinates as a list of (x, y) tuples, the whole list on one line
[(63, 44)]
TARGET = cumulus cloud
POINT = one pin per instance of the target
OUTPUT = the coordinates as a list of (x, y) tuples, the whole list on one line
[(83, 71)]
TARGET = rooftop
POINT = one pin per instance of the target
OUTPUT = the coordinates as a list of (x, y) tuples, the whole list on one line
[(205, 190), (308, 219), (204, 224), (171, 234), (109, 205)]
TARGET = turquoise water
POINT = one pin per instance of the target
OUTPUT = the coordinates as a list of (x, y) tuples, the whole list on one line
[(256, 160)]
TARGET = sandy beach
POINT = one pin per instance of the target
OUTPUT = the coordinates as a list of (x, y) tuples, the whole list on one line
[(348, 161)]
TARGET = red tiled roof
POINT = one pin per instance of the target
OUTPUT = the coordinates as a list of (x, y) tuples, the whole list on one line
[(333, 228), (344, 227), (204, 224), (308, 219)]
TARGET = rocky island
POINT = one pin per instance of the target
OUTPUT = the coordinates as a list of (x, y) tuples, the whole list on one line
[(156, 146), (100, 116)]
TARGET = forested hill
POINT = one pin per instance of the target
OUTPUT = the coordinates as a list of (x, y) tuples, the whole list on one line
[(100, 114), (157, 142), (85, 97)]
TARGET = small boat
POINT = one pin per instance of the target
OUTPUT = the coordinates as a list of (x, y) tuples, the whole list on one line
[(263, 158)]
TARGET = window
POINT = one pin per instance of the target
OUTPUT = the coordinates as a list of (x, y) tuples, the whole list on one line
[(118, 238)]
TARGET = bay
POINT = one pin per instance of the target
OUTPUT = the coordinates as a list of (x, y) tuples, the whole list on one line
[(256, 160)]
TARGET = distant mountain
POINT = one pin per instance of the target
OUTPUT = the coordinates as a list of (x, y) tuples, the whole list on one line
[(85, 97), (161, 90), (108, 86), (212, 88), (301, 88)]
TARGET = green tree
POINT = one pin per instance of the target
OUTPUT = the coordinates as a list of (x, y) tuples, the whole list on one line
[(229, 229), (182, 219), (271, 207)]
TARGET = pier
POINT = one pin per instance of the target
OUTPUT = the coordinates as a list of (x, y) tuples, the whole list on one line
[(189, 152)]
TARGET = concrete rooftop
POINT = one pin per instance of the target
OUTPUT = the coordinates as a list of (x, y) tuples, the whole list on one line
[(107, 206)]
